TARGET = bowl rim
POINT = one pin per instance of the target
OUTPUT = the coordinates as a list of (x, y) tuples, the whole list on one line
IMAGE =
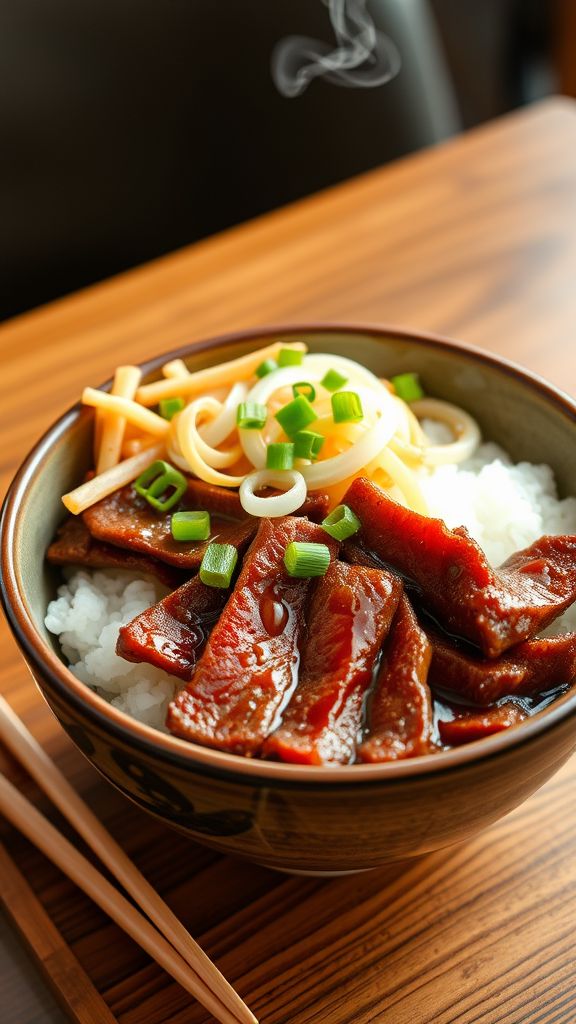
[(43, 661)]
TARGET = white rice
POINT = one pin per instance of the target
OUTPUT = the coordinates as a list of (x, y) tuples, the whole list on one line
[(86, 617), (505, 507)]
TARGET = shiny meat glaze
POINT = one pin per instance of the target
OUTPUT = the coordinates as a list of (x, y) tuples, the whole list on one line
[(400, 715), (525, 670), (75, 546), (171, 634), (250, 664), (468, 726), (127, 520), (350, 614), (492, 609)]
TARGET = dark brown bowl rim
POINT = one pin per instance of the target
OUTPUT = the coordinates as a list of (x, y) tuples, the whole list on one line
[(214, 762)]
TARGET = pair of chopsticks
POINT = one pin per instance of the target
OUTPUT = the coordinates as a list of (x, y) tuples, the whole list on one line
[(165, 940)]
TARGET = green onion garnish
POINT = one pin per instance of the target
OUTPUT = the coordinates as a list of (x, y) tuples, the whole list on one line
[(218, 565), (280, 455), (170, 406), (307, 444), (296, 415), (251, 415), (346, 407), (268, 366), (332, 380), (304, 560), (190, 525), (407, 386), (304, 388), (161, 478), (341, 523), (290, 357)]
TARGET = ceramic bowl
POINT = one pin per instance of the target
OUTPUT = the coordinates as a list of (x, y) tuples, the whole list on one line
[(292, 817)]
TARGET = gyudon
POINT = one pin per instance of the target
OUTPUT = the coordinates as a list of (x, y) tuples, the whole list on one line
[(262, 561)]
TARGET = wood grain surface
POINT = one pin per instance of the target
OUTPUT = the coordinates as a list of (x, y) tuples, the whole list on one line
[(475, 239)]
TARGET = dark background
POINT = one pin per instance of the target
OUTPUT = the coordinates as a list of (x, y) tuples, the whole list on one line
[(132, 127)]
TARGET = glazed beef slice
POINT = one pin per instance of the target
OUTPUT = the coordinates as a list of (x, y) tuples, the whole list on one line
[(493, 609)]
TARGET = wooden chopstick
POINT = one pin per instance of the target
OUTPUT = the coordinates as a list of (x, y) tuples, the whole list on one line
[(209, 981), (62, 971), (28, 820)]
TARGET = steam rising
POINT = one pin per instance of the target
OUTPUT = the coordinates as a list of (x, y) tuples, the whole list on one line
[(363, 57)]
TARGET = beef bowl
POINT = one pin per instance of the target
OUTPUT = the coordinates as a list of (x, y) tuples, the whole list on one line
[(317, 818)]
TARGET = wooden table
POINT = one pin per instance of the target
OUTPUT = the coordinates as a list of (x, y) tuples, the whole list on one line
[(475, 239)]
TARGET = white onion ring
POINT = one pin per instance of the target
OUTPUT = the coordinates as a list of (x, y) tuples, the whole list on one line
[(224, 423), (192, 446), (278, 504), (463, 426)]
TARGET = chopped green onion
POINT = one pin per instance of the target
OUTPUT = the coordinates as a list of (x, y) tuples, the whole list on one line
[(296, 415), (268, 366), (251, 415), (341, 523), (170, 406), (218, 565), (290, 357), (304, 388), (407, 386), (304, 560), (346, 407), (280, 455), (161, 478), (332, 380), (307, 444), (190, 525)]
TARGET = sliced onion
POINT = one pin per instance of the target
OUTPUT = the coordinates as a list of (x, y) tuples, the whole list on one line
[(196, 451), (330, 471), (224, 423), (255, 445), (403, 429), (175, 455), (403, 477), (321, 362), (283, 377), (290, 480), (465, 429), (211, 456)]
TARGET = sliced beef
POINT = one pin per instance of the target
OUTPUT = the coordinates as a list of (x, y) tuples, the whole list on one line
[(350, 614), (400, 714), (171, 634), (74, 546), (250, 663), (494, 609), (531, 667), (127, 520), (474, 725)]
